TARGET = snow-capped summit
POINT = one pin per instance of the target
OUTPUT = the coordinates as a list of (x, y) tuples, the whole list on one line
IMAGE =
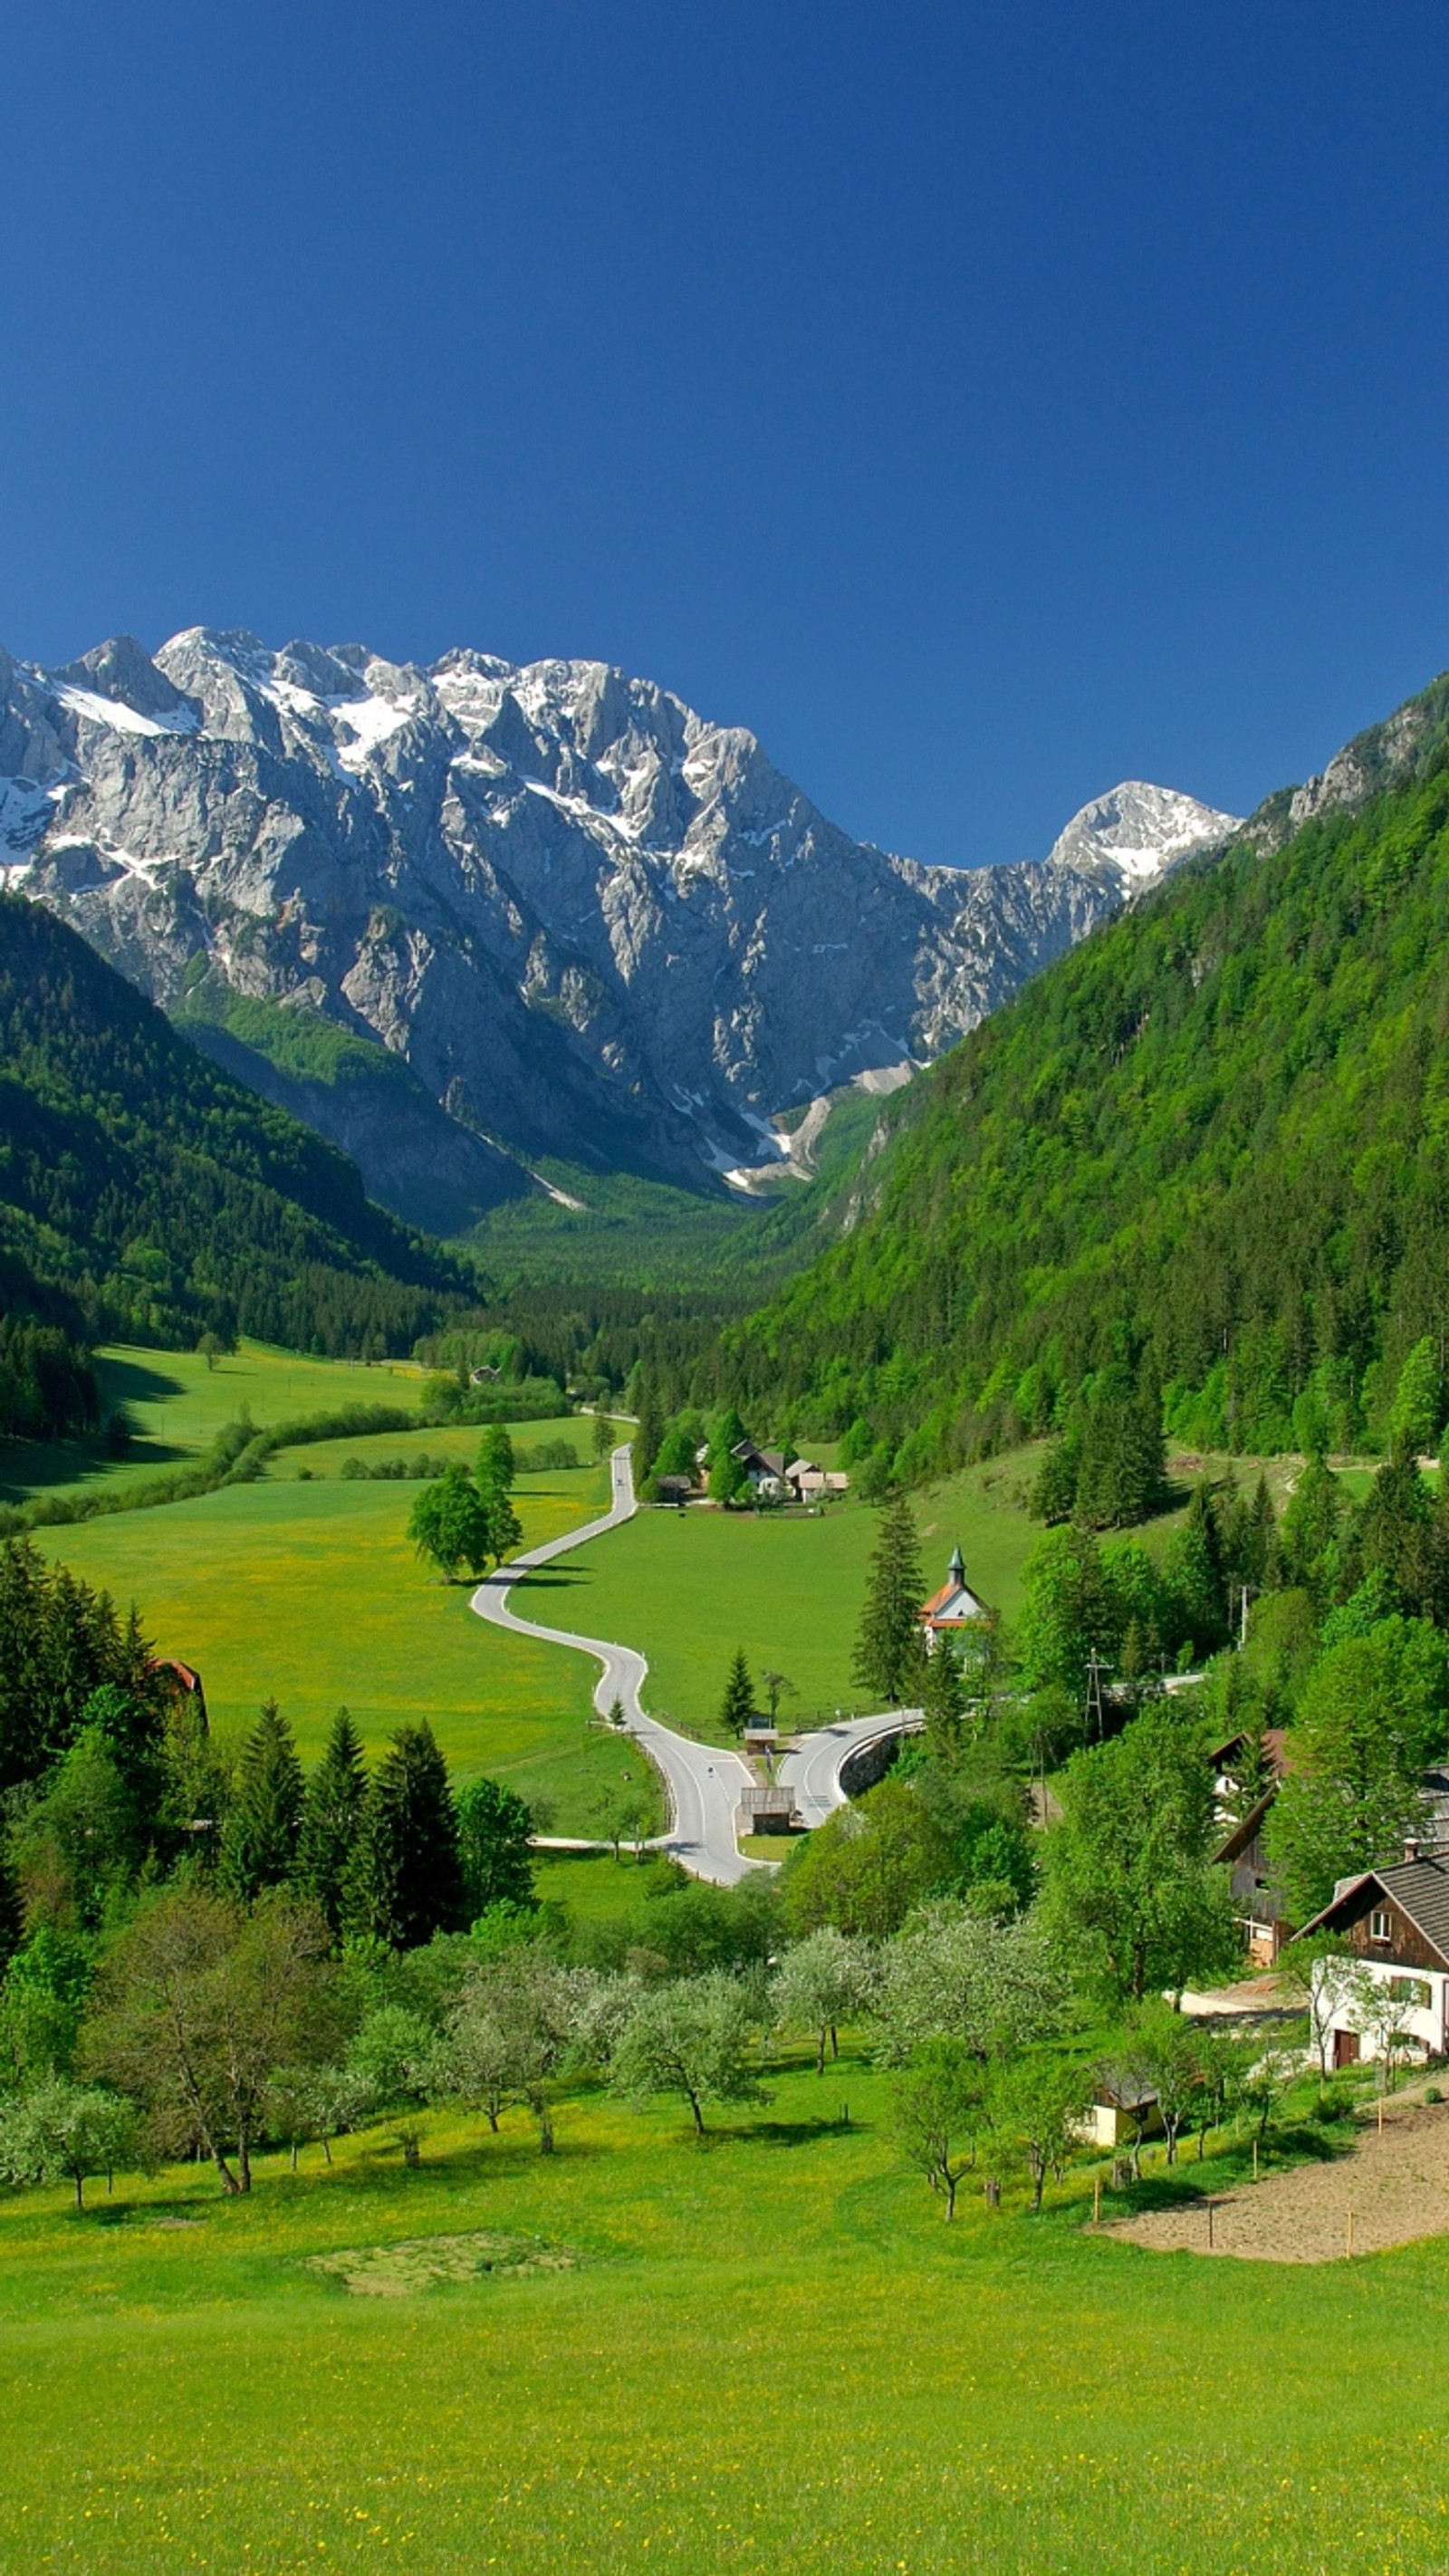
[(593, 924), (1139, 831)]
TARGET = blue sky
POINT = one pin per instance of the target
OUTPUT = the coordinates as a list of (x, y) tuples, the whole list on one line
[(982, 404)]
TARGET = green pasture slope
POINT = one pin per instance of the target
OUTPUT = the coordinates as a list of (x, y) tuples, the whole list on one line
[(303, 1587), (771, 2355), (176, 1405), (688, 1587)]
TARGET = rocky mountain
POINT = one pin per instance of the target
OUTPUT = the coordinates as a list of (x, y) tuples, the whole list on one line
[(1208, 1156), (470, 917)]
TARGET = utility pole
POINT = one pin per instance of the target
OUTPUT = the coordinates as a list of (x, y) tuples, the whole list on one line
[(1094, 1696)]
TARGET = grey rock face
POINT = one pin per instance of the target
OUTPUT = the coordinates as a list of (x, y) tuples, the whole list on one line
[(593, 924), (1403, 746)]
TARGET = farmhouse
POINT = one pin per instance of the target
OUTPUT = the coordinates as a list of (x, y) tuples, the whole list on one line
[(765, 1471), (950, 1611), (810, 1483), (1395, 1922), (1259, 1902)]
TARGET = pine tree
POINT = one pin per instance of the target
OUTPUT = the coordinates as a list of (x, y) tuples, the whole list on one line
[(259, 1846), (737, 1708), (943, 1699), (889, 1651), (1195, 1575), (1054, 1491), (726, 1473), (1417, 1412), (648, 1434), (1308, 1542), (410, 1879), (332, 1822)]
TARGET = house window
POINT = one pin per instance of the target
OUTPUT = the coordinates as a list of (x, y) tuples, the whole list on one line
[(1411, 1990), (1380, 1927)]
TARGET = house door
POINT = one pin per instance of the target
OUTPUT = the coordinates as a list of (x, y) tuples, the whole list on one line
[(1345, 2048)]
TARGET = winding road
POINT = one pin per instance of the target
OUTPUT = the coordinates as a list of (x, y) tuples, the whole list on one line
[(704, 1780)]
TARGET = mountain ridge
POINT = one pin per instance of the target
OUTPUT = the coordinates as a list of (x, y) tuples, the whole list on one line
[(587, 922), (1209, 1150)]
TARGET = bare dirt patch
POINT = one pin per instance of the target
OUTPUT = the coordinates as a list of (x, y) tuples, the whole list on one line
[(424, 2262), (1396, 2185)]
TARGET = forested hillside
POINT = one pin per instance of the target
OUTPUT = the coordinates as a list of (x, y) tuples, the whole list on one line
[(145, 1194), (1210, 1148)]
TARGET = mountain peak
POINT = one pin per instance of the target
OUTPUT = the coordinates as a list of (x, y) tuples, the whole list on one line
[(593, 923), (1140, 831)]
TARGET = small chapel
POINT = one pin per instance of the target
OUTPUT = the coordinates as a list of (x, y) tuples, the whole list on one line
[(949, 1610)]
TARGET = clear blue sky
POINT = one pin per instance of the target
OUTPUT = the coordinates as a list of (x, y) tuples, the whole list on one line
[(983, 403)]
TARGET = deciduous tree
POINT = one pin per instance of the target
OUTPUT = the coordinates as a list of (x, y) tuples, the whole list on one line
[(939, 2113), (494, 1837), (199, 2003), (1374, 1711), (868, 1864), (824, 1980), (690, 2038), (64, 2129), (1129, 1884)]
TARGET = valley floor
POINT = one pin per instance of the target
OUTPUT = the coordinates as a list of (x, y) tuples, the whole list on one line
[(766, 2352)]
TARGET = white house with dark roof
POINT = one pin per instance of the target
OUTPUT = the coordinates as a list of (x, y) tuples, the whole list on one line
[(1395, 1923), (952, 1609)]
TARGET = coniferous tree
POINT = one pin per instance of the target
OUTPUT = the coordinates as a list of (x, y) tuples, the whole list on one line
[(737, 1708), (410, 1878), (1121, 1471), (1309, 1538), (1392, 1532), (1054, 1492), (943, 1699), (333, 1813), (1195, 1574), (259, 1846), (889, 1649)]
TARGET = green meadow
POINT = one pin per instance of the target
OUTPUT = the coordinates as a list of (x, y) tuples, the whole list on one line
[(767, 2352), (303, 1587), (176, 1405), (688, 1587)]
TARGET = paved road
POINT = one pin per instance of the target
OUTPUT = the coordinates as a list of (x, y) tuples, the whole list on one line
[(813, 1769), (704, 1783)]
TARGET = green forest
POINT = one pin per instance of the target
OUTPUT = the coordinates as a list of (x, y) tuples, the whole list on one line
[(1207, 1151), (146, 1195)]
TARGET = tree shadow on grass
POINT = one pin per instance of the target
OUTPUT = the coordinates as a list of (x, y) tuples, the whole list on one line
[(783, 2133), (1187, 2183)]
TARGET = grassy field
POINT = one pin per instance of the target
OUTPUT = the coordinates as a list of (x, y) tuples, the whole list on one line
[(769, 2354), (176, 1406), (689, 1587), (308, 1591)]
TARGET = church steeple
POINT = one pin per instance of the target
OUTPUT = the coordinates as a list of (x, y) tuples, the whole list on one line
[(956, 1570)]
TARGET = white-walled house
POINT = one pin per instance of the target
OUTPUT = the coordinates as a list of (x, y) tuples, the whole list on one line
[(1395, 1924)]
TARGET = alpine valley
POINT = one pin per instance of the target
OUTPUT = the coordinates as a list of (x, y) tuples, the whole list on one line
[(478, 923)]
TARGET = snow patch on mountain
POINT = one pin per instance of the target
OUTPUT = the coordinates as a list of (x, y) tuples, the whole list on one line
[(596, 925)]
